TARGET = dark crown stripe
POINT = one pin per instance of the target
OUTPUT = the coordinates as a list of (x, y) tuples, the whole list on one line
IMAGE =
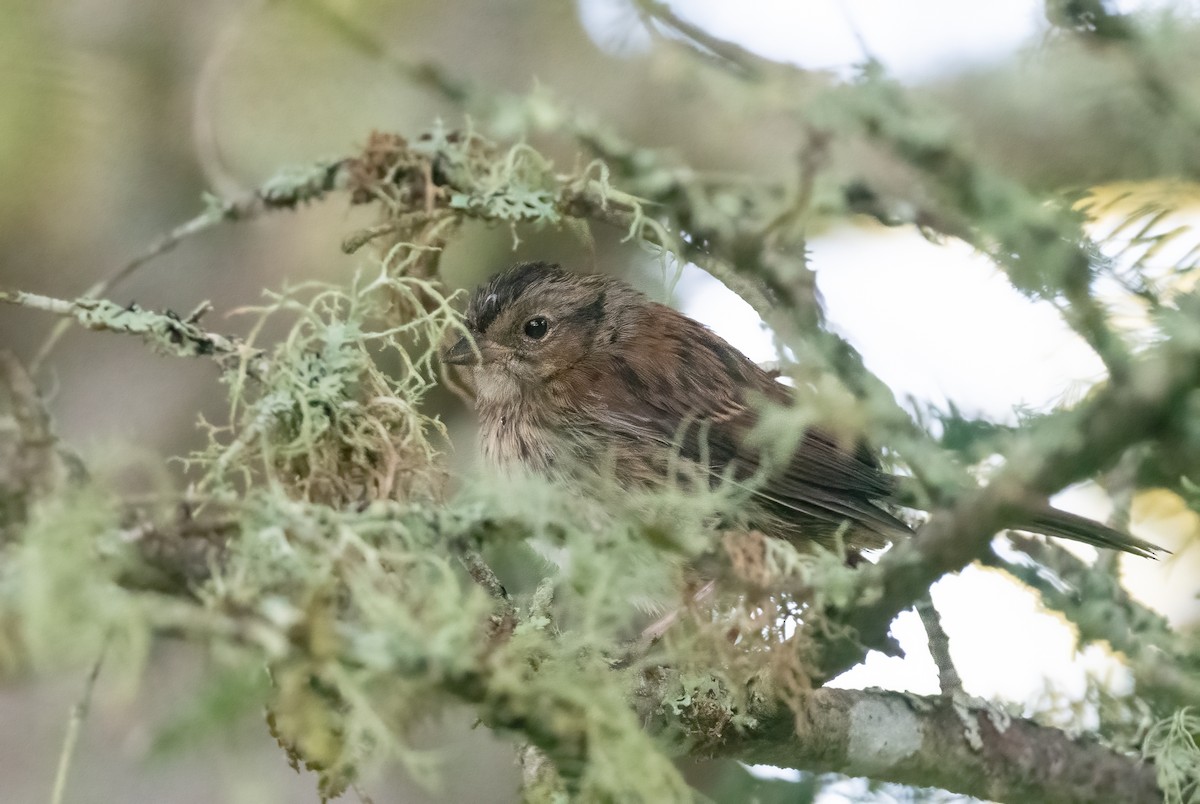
[(505, 288), (590, 314)]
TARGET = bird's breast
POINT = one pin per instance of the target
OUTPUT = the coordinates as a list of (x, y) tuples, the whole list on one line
[(511, 437)]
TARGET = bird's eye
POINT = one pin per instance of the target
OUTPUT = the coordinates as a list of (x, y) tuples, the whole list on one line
[(537, 328)]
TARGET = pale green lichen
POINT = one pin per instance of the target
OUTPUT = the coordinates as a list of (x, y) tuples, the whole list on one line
[(968, 708), (1174, 745)]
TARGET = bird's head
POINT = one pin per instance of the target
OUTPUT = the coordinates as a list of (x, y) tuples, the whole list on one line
[(535, 322)]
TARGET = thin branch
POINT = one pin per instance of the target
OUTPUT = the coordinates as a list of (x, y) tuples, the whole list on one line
[(427, 74), (204, 135), (286, 190), (166, 332), (1042, 248), (1161, 663), (79, 713), (653, 633), (1041, 463), (976, 98), (505, 620), (939, 648), (744, 63)]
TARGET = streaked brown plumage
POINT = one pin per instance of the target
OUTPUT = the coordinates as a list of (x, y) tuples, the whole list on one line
[(576, 371)]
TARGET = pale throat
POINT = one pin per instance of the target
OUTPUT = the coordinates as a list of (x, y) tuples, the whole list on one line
[(513, 427)]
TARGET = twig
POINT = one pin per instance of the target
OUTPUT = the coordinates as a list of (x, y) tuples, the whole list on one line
[(939, 647), (286, 190), (165, 331), (422, 73), (161, 246), (505, 621), (745, 64), (79, 713), (1121, 485), (208, 151)]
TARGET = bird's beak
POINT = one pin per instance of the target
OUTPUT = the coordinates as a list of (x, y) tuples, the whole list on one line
[(462, 353)]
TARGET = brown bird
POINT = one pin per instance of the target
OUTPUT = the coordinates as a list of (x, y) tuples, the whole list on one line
[(573, 373)]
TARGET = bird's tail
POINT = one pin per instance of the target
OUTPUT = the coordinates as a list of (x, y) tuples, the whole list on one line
[(1053, 522), (1049, 521)]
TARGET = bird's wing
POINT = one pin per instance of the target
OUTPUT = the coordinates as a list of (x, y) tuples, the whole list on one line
[(702, 399)]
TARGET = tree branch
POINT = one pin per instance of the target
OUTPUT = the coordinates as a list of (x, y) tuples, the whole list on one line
[(286, 190), (1041, 463), (1161, 665), (79, 713), (744, 63), (166, 332), (895, 737), (927, 742), (939, 647)]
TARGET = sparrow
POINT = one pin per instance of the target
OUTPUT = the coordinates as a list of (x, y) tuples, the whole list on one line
[(575, 374)]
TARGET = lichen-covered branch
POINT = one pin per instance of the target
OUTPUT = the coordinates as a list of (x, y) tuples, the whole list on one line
[(166, 332), (1042, 462), (939, 647), (1102, 610), (287, 190), (576, 711), (925, 742)]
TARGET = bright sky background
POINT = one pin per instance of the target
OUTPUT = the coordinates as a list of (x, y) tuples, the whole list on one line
[(935, 322)]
